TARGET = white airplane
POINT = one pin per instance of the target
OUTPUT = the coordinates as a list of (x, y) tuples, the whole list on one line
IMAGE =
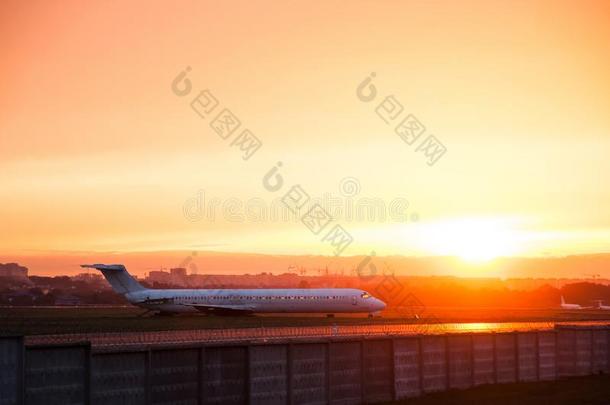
[(569, 306), (238, 301)]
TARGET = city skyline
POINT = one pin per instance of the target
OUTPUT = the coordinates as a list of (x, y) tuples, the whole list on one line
[(592, 267)]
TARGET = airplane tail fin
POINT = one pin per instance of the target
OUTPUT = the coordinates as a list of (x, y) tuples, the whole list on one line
[(121, 281)]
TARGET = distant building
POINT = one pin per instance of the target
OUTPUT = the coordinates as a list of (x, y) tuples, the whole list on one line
[(178, 276), (158, 276), (178, 272), (90, 278), (13, 270)]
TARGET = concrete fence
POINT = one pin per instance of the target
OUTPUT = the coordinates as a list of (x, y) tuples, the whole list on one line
[(347, 371)]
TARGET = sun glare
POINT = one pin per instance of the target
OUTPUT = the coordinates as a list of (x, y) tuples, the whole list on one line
[(475, 240)]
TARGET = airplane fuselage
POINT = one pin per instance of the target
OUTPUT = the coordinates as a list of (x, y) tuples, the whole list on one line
[(321, 300)]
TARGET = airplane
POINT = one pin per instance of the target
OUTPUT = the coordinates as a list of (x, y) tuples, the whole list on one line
[(601, 306), (238, 301), (576, 306), (569, 306)]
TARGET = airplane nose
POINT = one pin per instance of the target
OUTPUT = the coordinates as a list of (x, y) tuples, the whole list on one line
[(380, 305)]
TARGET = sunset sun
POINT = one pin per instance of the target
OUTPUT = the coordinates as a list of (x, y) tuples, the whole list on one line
[(474, 240)]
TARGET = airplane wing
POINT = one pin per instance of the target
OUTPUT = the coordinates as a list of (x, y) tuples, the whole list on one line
[(156, 301), (224, 309), (220, 309)]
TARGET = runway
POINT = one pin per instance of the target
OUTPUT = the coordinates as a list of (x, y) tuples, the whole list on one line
[(275, 334)]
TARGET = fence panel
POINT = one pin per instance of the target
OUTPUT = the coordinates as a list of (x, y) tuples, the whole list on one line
[(460, 361), (268, 374), (225, 375), (566, 352), (407, 368), (118, 378), (547, 356), (345, 373), (483, 359), (600, 352), (174, 376), (434, 363), (309, 373), (11, 370), (527, 356), (506, 358), (378, 370), (584, 352), (57, 375)]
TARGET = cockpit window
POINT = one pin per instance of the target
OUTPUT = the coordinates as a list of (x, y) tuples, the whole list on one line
[(365, 295)]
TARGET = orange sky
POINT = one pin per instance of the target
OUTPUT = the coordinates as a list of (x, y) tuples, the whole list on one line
[(98, 154)]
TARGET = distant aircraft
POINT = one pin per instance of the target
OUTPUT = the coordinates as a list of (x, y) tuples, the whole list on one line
[(601, 306), (569, 306), (238, 301)]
